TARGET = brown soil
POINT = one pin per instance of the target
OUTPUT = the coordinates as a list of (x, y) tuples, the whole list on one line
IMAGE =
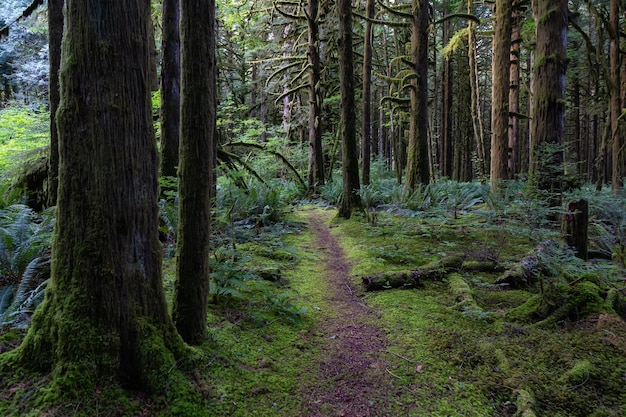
[(356, 382)]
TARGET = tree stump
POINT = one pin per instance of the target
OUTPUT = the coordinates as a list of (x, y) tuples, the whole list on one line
[(574, 227)]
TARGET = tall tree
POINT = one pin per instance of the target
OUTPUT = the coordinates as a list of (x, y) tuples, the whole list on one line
[(104, 314), (316, 156), (349, 154), (55, 36), (500, 66), (514, 93), (477, 120), (198, 127), (170, 87), (548, 107), (617, 125), (417, 169), (366, 138)]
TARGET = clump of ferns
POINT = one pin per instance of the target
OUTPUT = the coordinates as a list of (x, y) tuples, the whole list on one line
[(24, 262)]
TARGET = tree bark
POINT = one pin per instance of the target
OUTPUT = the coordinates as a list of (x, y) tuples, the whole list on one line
[(55, 36), (417, 170), (170, 88), (349, 155), (575, 225), (514, 93), (500, 64), (548, 121), (316, 156), (104, 314), (617, 125), (366, 140), (198, 127)]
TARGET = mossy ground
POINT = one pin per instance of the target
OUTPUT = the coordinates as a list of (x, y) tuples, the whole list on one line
[(443, 359)]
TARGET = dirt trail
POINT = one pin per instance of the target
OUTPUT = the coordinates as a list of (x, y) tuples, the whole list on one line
[(352, 365)]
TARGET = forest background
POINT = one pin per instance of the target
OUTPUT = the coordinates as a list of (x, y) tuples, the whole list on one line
[(450, 94)]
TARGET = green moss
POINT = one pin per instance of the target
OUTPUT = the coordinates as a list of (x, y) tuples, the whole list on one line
[(578, 374)]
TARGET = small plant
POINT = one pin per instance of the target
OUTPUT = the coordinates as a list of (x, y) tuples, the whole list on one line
[(24, 262)]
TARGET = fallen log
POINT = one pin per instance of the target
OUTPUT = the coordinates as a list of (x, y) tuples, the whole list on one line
[(526, 272), (411, 279)]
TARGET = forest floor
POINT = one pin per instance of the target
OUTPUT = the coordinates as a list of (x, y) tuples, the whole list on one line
[(312, 342), (353, 353)]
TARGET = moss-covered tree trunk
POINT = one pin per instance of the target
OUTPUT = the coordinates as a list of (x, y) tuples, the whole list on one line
[(170, 88), (316, 156), (366, 137), (349, 154), (417, 170), (55, 35), (617, 125), (104, 315), (548, 117), (514, 93), (198, 127), (500, 67)]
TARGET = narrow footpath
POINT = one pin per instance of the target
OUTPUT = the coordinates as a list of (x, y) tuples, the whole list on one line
[(357, 383)]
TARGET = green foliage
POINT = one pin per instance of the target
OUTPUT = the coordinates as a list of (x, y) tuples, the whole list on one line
[(21, 129), (24, 262)]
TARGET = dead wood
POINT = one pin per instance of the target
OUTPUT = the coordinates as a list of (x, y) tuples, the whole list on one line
[(411, 279)]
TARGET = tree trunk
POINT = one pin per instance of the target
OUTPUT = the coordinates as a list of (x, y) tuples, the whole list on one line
[(104, 314), (514, 93), (55, 36), (500, 64), (548, 121), (575, 224), (170, 88), (198, 127), (446, 143), (366, 141), (349, 155), (417, 169), (316, 156), (477, 121), (617, 125)]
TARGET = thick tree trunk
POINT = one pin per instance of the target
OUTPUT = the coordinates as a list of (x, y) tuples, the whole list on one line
[(417, 170), (198, 127), (446, 154), (170, 88), (55, 36), (104, 314), (548, 121), (366, 140), (500, 64), (349, 155), (316, 156)]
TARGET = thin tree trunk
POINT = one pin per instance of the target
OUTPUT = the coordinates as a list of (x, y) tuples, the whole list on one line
[(617, 126), (198, 127), (170, 88), (316, 156), (349, 154), (366, 141), (477, 121), (514, 93), (55, 36)]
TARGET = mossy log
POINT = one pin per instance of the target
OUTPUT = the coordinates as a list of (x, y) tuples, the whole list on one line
[(525, 273), (411, 279), (461, 292)]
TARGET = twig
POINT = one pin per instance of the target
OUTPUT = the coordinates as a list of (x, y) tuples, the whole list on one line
[(402, 357), (392, 374)]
